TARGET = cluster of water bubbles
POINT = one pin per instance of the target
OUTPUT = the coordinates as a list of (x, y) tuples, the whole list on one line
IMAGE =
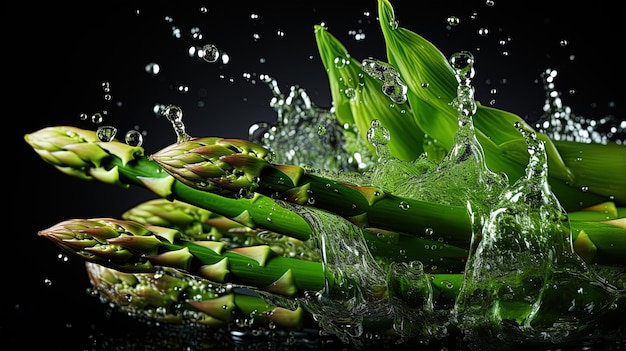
[(307, 135), (559, 122)]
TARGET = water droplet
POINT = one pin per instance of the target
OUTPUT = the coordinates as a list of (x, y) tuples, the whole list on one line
[(454, 21), (377, 134), (340, 62), (106, 133), (404, 205), (97, 118), (133, 138), (321, 129), (175, 115), (210, 53)]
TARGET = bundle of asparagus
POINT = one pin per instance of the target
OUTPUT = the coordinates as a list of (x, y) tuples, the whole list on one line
[(468, 222)]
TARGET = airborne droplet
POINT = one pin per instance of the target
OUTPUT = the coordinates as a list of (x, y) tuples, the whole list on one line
[(133, 138), (210, 53), (106, 133)]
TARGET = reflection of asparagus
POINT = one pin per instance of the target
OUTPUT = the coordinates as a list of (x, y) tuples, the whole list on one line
[(170, 295)]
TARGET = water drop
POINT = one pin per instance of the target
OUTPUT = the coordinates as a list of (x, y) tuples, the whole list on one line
[(133, 138), (97, 118), (210, 53), (106, 133), (62, 258), (340, 62), (377, 134), (454, 21), (321, 129), (175, 115)]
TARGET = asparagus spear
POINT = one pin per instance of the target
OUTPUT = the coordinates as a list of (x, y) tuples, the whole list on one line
[(357, 202), (151, 252), (196, 223)]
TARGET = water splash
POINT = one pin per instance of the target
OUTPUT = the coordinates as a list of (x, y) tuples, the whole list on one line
[(174, 114), (525, 264), (393, 86), (445, 182), (307, 135), (355, 287), (559, 122), (359, 290)]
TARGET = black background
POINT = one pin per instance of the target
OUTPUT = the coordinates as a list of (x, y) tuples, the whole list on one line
[(59, 55)]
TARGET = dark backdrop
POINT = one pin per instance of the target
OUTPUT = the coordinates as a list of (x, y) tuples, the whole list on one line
[(60, 54)]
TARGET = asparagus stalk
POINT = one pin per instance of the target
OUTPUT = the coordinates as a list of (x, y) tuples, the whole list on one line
[(131, 247), (196, 223), (174, 280), (416, 67)]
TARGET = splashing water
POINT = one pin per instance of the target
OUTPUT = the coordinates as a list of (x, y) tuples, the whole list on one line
[(445, 182), (393, 86), (524, 264), (307, 135), (174, 114), (560, 123), (360, 290)]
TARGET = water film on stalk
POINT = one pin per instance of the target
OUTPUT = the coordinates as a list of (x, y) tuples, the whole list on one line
[(359, 290)]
